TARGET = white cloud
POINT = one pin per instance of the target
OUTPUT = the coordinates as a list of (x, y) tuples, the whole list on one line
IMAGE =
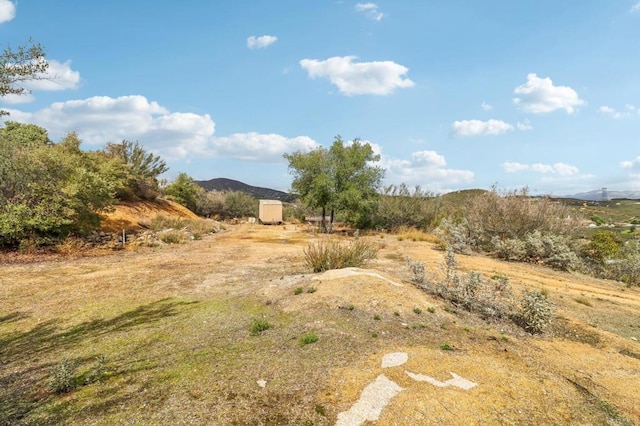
[(480, 128), (615, 114), (7, 11), (524, 125), (259, 147), (427, 169), (59, 76), (261, 42), (560, 169), (174, 135), (635, 8), (539, 95), (635, 163), (364, 78), (13, 98), (370, 10), (486, 106)]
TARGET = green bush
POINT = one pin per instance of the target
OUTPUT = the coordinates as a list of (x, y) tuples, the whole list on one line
[(173, 236), (400, 207), (308, 338), (322, 256), (258, 325), (62, 377), (602, 246), (551, 250)]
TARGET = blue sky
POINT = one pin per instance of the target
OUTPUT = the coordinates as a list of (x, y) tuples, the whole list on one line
[(453, 94)]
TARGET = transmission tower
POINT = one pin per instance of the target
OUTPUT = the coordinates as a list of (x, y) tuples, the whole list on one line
[(605, 194)]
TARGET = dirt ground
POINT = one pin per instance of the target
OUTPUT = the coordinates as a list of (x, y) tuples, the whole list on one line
[(584, 371)]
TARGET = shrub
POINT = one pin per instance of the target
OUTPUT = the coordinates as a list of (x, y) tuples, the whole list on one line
[(551, 250), (308, 338), (446, 347), (602, 246), (258, 325), (535, 311), (418, 270), (62, 378), (298, 290), (400, 206), (322, 256), (172, 236)]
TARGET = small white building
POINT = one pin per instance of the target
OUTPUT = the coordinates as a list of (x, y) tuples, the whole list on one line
[(270, 212)]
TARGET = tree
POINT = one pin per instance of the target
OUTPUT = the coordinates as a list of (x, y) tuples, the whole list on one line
[(26, 63), (184, 191), (140, 169), (341, 178)]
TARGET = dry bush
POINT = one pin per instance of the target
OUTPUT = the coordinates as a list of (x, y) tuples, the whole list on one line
[(514, 215), (322, 256)]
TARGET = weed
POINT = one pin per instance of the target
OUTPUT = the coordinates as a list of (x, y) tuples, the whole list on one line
[(97, 370), (351, 307), (418, 271), (376, 317), (322, 256), (308, 338), (62, 378), (374, 334), (431, 310), (446, 347), (173, 236), (298, 290), (312, 290), (320, 409), (417, 310), (396, 313), (258, 325)]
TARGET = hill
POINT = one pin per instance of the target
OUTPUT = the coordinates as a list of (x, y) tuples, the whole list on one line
[(223, 184), (600, 195)]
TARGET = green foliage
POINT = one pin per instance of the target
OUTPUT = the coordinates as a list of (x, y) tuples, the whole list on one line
[(240, 204), (209, 203), (139, 170), (298, 291), (308, 338), (602, 246), (47, 190), (183, 191), (322, 256), (446, 347), (400, 207), (173, 236), (341, 178), (598, 220), (258, 325), (62, 377), (535, 311), (26, 63), (417, 310)]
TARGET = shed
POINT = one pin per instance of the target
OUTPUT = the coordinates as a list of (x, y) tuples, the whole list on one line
[(270, 212)]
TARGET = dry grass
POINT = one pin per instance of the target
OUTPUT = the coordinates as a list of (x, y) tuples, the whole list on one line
[(174, 326)]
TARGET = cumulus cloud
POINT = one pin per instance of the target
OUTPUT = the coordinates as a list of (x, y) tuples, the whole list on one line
[(486, 106), (635, 8), (539, 96), (465, 128), (174, 135), (7, 11), (560, 169), (370, 10), (259, 147), (632, 164), (363, 78), (13, 98), (261, 42), (425, 168)]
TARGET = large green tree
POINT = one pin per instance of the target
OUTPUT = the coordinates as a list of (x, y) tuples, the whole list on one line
[(18, 66), (342, 178)]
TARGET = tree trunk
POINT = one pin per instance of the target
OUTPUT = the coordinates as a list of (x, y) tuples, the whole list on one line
[(331, 222), (323, 222)]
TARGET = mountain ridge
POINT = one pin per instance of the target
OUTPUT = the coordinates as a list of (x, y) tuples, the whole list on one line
[(224, 184)]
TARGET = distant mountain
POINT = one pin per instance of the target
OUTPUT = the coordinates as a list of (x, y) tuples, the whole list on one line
[(222, 184), (598, 195)]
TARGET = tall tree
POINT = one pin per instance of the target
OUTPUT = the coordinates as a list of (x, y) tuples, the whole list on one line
[(342, 178), (17, 66), (141, 169)]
